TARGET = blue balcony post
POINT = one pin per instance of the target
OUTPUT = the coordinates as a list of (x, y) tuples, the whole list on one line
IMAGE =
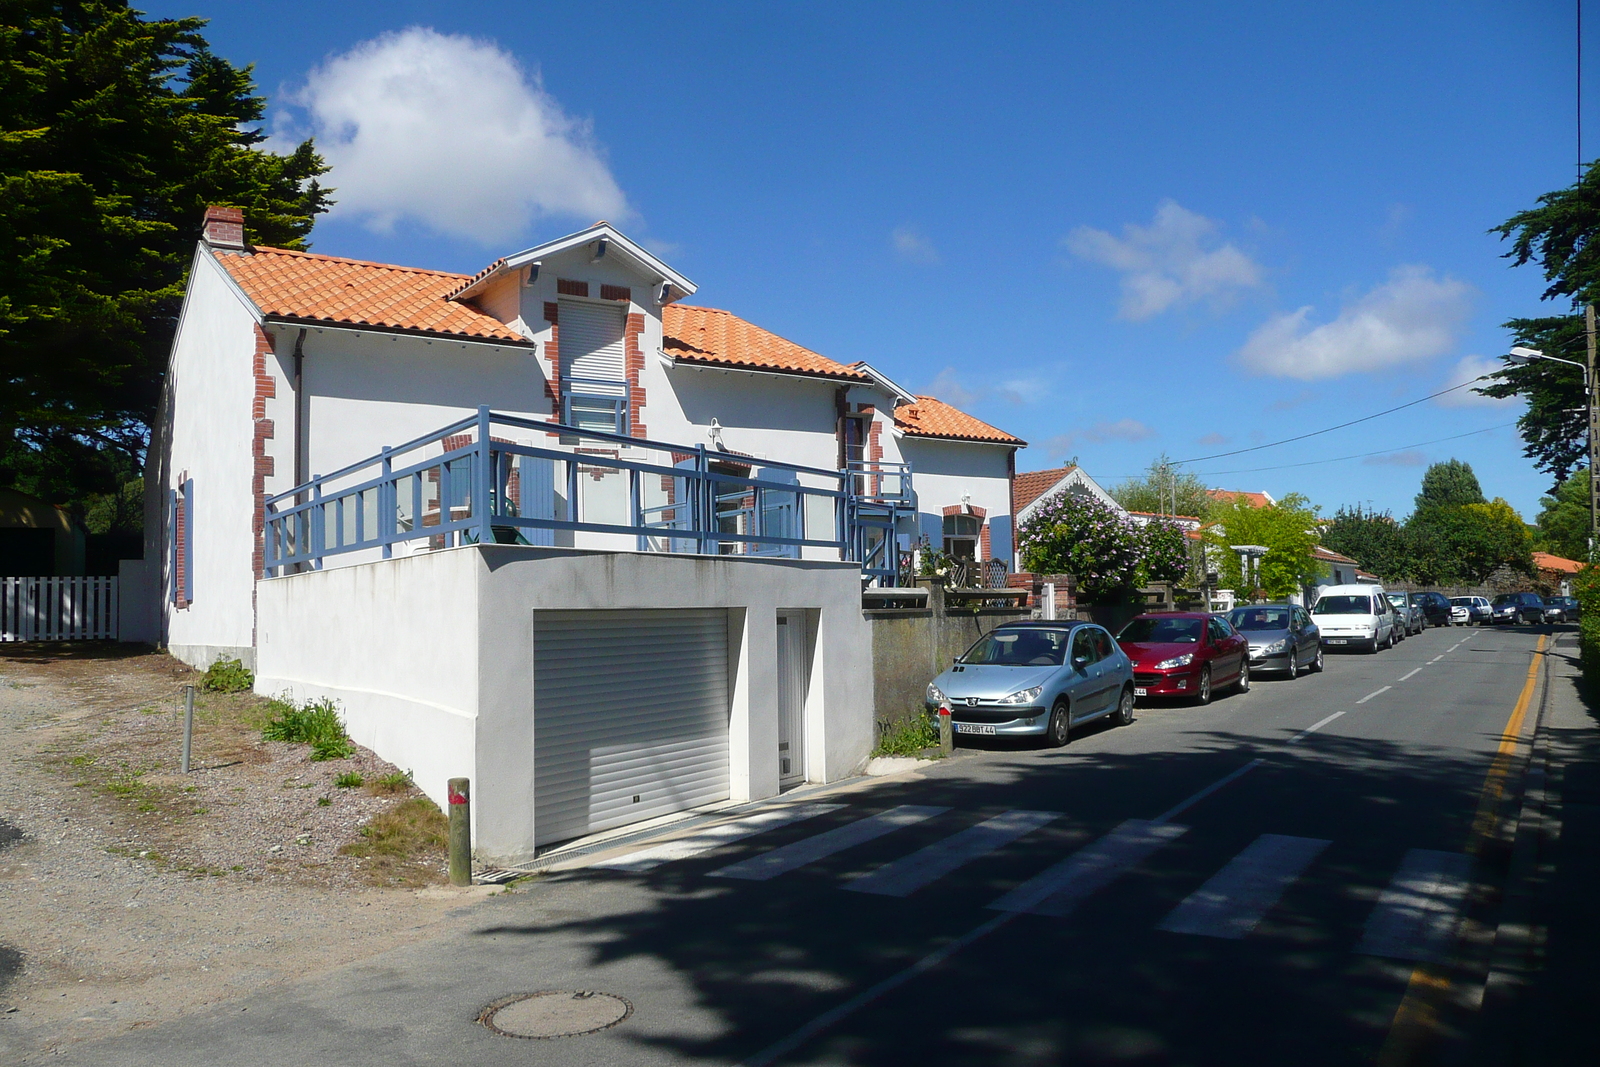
[(387, 503), (481, 509), (269, 540), (704, 502), (318, 522)]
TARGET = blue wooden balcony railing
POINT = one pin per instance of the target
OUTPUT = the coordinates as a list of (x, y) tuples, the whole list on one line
[(470, 482)]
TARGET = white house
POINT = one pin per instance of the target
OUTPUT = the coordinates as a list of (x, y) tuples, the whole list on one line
[(292, 373)]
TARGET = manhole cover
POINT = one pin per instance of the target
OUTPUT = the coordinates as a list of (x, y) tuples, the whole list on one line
[(554, 1013)]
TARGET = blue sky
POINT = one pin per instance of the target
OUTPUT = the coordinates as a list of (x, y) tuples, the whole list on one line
[(1114, 230)]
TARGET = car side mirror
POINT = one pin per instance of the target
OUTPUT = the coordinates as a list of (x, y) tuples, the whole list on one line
[(1080, 662)]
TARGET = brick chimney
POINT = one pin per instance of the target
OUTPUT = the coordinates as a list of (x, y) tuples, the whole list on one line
[(224, 227)]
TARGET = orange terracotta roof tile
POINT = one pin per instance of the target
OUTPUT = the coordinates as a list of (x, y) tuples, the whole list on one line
[(1328, 555), (720, 338), (1229, 496), (1546, 562), (307, 287), (932, 417), (1031, 485)]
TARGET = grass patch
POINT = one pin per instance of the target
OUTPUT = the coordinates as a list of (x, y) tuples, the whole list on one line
[(227, 676), (405, 845), (324, 802), (395, 782), (315, 723), (906, 737), (349, 780)]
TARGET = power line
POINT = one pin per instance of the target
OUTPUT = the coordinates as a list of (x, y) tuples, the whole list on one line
[(1342, 425), (1362, 455)]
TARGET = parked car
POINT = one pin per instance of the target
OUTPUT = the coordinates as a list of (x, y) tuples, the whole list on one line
[(1568, 604), (1435, 607), (1526, 608), (1357, 616), (1185, 654), (1282, 637), (1036, 679), (1471, 610), (1410, 619)]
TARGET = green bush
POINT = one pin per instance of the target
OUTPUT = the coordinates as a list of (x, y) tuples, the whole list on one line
[(907, 737), (315, 723), (1586, 587), (393, 782), (349, 780), (227, 676)]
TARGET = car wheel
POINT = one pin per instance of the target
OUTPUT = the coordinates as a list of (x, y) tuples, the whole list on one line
[(1203, 695), (1243, 684), (1373, 651), (1316, 664), (1059, 732), (1125, 707), (1294, 664)]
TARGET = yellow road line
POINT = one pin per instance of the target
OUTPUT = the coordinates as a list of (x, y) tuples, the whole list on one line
[(1414, 1019)]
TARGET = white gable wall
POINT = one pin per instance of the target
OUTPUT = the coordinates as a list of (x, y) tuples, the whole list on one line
[(945, 471)]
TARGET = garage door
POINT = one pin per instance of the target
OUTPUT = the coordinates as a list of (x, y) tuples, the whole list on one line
[(630, 717)]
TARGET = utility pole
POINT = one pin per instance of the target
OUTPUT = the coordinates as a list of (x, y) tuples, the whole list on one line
[(1592, 401)]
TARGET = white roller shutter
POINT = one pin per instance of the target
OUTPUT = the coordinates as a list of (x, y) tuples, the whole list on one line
[(630, 717), (592, 346)]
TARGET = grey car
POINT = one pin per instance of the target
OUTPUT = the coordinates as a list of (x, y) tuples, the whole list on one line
[(1411, 620), (1036, 679), (1282, 638)]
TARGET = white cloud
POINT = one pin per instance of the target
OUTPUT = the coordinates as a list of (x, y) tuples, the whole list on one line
[(1410, 458), (1415, 315), (1175, 260), (451, 132), (913, 246), (1099, 433), (1465, 370), (1212, 439), (947, 387)]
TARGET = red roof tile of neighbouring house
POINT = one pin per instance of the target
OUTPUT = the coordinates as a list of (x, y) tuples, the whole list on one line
[(305, 287), (714, 337), (931, 417), (1328, 555), (1229, 496), (1546, 562), (1031, 485)]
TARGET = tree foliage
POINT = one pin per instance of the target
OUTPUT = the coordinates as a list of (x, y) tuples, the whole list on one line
[(1563, 519), (1081, 536), (1288, 531), (1449, 484), (1165, 489), (1373, 539), (1164, 552), (117, 132), (1555, 426), (1464, 544)]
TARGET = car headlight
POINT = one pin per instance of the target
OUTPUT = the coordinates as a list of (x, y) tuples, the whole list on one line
[(1024, 697), (1276, 647), (1176, 661), (935, 696)]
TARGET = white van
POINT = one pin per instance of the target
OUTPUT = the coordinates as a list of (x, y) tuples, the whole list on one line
[(1355, 615)]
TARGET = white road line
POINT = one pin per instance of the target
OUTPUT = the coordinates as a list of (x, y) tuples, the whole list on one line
[(1435, 659), (1376, 693), (1457, 645), (910, 873), (1184, 805), (810, 849), (1313, 728), (1062, 887), (1232, 902), (1416, 916), (1408, 674), (711, 837)]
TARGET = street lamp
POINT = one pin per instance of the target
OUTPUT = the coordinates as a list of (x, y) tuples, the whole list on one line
[(1524, 355)]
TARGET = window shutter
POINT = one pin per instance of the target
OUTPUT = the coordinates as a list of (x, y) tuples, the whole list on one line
[(175, 546), (188, 541)]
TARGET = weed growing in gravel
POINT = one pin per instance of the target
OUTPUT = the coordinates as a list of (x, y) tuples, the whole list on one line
[(349, 780), (227, 676), (396, 782), (324, 802), (404, 845), (315, 723)]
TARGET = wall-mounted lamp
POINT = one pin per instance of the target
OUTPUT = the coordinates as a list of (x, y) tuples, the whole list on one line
[(532, 275), (600, 249)]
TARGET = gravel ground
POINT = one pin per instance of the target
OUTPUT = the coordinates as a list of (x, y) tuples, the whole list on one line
[(131, 894)]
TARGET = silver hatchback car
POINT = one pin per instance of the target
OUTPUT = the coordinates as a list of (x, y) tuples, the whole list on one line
[(1037, 679)]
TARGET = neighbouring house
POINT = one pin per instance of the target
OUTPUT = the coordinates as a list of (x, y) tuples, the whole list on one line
[(489, 514), (1031, 488), (1337, 569), (1556, 572), (1232, 496), (37, 538)]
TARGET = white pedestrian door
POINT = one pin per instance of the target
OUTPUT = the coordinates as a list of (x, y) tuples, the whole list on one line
[(791, 697), (630, 717)]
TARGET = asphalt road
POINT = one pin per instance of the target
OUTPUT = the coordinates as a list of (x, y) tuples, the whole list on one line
[(1142, 917)]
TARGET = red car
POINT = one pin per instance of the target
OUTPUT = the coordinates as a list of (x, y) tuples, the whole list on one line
[(1185, 654)]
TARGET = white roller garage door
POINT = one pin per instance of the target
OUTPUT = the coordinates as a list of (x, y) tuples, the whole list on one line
[(630, 717)]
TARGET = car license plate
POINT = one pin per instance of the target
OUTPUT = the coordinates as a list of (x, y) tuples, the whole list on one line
[(973, 728), (1141, 692), (1338, 641)]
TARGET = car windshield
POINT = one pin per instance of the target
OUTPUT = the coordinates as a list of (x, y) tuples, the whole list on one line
[(1259, 618), (1504, 599), (1162, 631), (1343, 604), (1020, 648), (1461, 601)]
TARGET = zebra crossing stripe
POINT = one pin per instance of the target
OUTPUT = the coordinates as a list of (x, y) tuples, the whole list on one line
[(711, 837), (1415, 918), (1233, 901), (910, 873), (810, 849), (1058, 889)]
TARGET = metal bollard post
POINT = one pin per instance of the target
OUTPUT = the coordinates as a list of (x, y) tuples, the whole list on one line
[(188, 724), (947, 740), (460, 831)]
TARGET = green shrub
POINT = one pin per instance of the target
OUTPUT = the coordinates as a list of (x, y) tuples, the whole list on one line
[(395, 782), (907, 737), (349, 780), (1586, 587), (315, 723), (227, 676)]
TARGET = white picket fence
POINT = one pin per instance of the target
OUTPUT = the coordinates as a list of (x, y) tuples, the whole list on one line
[(58, 609)]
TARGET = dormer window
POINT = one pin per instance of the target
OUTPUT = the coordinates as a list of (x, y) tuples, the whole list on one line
[(594, 378)]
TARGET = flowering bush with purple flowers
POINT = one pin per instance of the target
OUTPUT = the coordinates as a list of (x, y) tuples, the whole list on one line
[(1166, 552), (1108, 554)]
